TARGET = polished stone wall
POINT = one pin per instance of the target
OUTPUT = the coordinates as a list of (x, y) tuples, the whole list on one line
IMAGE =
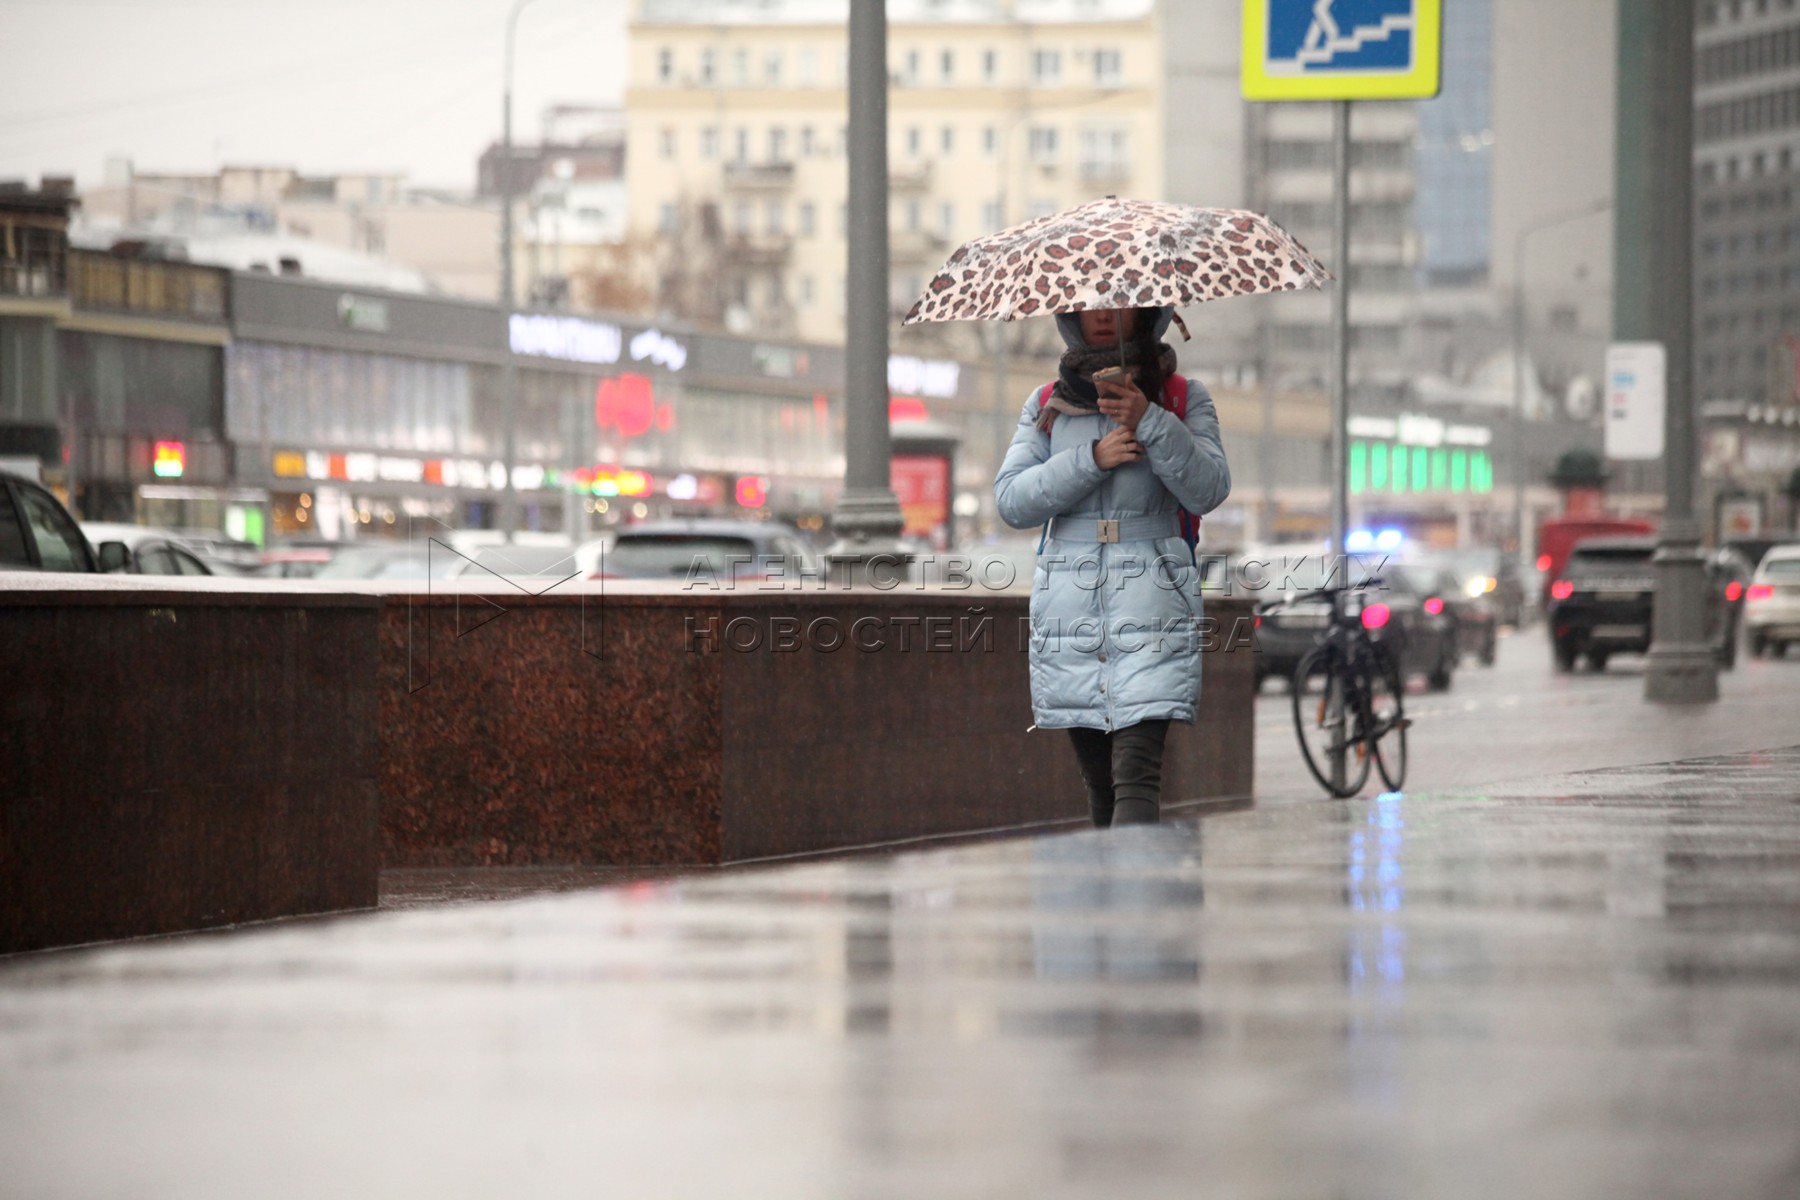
[(656, 726)]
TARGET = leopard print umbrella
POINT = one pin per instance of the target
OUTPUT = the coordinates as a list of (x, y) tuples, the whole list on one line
[(1115, 253)]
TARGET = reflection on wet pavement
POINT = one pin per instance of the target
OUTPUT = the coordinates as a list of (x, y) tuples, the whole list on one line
[(1583, 987)]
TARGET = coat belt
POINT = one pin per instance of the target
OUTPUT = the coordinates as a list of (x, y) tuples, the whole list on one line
[(1116, 529)]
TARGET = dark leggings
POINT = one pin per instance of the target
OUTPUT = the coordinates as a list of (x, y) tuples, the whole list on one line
[(1123, 772)]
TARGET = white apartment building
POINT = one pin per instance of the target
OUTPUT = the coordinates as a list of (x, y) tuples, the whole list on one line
[(999, 110)]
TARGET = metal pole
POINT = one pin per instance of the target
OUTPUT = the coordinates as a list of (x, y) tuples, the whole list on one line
[(1653, 301), (509, 378), (1340, 392), (867, 520), (1340, 324)]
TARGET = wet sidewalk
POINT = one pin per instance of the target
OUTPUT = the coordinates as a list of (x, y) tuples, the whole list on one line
[(1586, 986)]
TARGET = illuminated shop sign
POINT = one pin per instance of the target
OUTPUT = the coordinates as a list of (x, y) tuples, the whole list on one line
[(362, 313), (658, 347), (627, 403), (923, 376), (1399, 469), (570, 338), (322, 466), (170, 460)]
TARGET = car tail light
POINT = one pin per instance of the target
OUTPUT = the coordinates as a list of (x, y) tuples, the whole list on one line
[(1762, 591), (1258, 624), (1733, 591), (1562, 589), (1434, 605), (1375, 616), (1543, 562)]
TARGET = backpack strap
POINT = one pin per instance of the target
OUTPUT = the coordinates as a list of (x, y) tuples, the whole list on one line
[(1175, 395)]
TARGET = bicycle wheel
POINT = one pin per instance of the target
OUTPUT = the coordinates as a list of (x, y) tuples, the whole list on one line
[(1387, 719), (1328, 718)]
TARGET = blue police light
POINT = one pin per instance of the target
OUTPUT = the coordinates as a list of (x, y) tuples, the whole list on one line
[(1389, 539), (1359, 541)]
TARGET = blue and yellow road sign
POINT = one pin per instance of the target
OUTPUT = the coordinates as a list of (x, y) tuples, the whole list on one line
[(1342, 49)]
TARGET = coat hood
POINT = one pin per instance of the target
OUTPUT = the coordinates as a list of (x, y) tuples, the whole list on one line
[(1069, 325)]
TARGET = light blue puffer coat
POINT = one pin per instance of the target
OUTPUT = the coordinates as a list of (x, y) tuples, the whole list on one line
[(1115, 627)]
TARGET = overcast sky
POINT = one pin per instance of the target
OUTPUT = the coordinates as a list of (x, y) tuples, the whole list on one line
[(323, 85)]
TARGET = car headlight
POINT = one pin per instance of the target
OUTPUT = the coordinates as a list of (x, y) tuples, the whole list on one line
[(1476, 586)]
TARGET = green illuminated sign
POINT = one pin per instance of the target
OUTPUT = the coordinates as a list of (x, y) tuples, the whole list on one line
[(1397, 468)]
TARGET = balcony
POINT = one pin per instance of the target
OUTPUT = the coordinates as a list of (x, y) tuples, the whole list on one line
[(758, 249), (916, 178), (917, 247), (1103, 171), (759, 177)]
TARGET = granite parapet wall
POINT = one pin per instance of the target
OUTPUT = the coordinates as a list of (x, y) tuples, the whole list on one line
[(656, 725), (181, 758)]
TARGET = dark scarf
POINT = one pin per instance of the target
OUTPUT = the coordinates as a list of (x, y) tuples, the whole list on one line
[(1075, 393)]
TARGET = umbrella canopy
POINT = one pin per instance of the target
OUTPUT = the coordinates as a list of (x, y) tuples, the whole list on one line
[(1115, 253)]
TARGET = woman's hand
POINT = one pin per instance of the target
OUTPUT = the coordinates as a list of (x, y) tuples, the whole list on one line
[(1116, 448), (1121, 400)]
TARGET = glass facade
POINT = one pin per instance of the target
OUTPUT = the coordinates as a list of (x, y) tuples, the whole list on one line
[(313, 397), (1455, 154)]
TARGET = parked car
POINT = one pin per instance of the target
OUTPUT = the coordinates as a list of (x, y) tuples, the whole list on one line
[(1772, 602), (708, 551), (152, 551), (293, 562), (1493, 576), (38, 534), (226, 554), (1417, 628), (390, 560), (1602, 602)]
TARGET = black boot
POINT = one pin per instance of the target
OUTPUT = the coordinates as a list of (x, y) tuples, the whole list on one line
[(1135, 810)]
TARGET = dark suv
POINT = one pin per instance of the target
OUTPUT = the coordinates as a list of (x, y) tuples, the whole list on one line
[(1601, 605)]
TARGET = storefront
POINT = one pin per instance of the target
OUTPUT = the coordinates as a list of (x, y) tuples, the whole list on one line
[(140, 382)]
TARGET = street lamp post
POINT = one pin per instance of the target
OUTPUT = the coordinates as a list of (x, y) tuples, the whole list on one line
[(509, 378), (1520, 475)]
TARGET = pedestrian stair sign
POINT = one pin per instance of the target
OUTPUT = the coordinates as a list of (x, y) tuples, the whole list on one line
[(1342, 49)]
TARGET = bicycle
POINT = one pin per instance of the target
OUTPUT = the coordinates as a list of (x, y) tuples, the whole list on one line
[(1349, 704)]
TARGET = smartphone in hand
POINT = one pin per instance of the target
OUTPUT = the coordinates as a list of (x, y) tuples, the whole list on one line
[(1111, 375)]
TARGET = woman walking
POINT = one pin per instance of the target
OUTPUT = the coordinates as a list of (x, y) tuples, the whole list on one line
[(1108, 467)]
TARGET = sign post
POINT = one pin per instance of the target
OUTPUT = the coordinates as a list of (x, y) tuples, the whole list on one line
[(1341, 50)]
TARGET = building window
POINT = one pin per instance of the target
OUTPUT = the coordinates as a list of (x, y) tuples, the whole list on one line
[(947, 66), (775, 295), (806, 291), (947, 140), (777, 145), (665, 65), (1108, 68), (775, 219), (1043, 145), (806, 141), (740, 67), (915, 141), (1046, 68), (709, 142), (807, 218), (668, 219), (915, 215), (666, 143), (990, 141), (947, 218), (709, 67), (772, 68), (910, 75), (990, 65), (1105, 153), (740, 217), (741, 146), (990, 216), (807, 73), (1042, 208)]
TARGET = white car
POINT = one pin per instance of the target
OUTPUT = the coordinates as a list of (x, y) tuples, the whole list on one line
[(1772, 605)]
